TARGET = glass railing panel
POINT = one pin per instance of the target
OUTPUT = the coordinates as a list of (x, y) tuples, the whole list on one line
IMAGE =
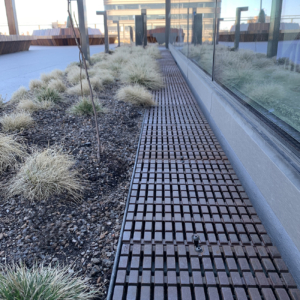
[(199, 32), (258, 57)]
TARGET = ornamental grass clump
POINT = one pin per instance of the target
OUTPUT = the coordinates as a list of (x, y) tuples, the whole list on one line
[(80, 89), (10, 151), (46, 173), (135, 94), (73, 75), (36, 84), (57, 85), (55, 74), (84, 107), (1, 102), (143, 71), (16, 121), (34, 105), (18, 95), (153, 51), (49, 94), (18, 282)]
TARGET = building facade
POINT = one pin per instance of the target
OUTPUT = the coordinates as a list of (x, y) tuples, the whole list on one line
[(124, 11)]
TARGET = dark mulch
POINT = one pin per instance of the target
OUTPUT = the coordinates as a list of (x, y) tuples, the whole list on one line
[(83, 236)]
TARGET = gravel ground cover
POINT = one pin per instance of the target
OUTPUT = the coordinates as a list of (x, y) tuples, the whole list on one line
[(57, 230)]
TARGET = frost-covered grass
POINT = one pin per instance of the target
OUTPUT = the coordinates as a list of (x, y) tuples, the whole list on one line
[(135, 94), (143, 71), (57, 85), (16, 121), (49, 94), (34, 105), (18, 282), (274, 84), (10, 151), (84, 107), (76, 90), (19, 94), (46, 173)]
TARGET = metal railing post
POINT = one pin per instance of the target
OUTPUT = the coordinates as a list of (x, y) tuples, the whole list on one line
[(238, 25), (103, 13), (167, 27), (139, 30), (197, 29), (274, 28), (131, 34), (118, 26), (144, 16), (218, 29)]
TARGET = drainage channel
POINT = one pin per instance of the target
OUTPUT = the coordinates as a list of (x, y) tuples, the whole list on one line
[(184, 186)]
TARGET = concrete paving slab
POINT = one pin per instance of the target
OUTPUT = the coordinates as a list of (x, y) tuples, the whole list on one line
[(17, 69)]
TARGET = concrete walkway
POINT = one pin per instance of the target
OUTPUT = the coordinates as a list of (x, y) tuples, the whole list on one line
[(17, 69), (184, 185)]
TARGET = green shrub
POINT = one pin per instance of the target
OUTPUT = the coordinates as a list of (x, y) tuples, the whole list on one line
[(18, 282)]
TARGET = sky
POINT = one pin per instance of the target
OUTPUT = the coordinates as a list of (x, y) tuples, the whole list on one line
[(44, 12)]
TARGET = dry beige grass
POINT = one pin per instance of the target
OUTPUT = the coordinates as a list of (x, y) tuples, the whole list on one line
[(153, 51), (16, 121), (44, 174), (76, 90), (55, 74), (10, 151), (73, 75), (34, 105), (96, 83), (98, 57), (135, 94), (36, 84), (18, 95), (143, 71), (57, 85)]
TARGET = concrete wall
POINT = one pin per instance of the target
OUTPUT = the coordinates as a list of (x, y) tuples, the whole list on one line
[(261, 162)]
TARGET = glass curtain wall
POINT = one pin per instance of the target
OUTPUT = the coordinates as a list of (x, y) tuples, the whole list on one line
[(251, 48)]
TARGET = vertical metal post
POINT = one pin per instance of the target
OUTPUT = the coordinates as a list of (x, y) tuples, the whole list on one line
[(103, 13), (167, 28), (11, 14), (274, 28), (197, 29), (84, 40), (118, 27), (139, 30), (218, 29), (238, 25), (131, 34), (188, 25), (144, 16), (193, 24)]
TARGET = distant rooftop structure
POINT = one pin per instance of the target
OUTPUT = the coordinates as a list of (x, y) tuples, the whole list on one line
[(265, 26)]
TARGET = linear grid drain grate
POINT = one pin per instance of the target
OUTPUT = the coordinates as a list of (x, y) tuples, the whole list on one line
[(184, 185)]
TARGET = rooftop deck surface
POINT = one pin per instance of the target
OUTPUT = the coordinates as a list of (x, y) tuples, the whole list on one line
[(184, 185)]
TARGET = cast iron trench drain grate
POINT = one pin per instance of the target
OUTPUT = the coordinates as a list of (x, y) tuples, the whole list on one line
[(183, 185)]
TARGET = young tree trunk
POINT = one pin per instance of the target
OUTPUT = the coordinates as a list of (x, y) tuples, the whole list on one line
[(88, 80)]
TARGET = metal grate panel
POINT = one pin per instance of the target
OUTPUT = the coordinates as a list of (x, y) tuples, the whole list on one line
[(184, 185)]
